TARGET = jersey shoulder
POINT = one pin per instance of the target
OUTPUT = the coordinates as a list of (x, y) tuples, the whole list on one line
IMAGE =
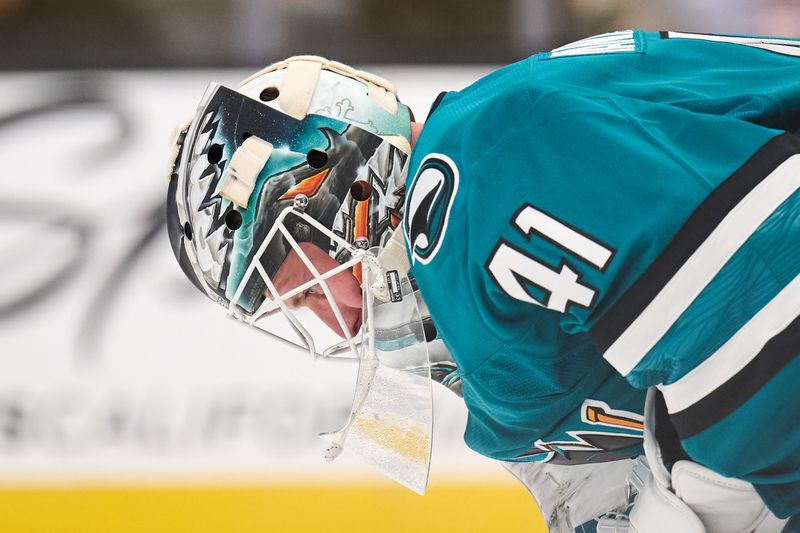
[(464, 122)]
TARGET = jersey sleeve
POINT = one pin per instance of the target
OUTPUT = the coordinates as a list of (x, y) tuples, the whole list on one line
[(563, 200), (577, 200), (574, 208), (606, 425), (749, 78)]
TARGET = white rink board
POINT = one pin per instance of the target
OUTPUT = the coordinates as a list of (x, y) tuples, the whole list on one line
[(162, 386)]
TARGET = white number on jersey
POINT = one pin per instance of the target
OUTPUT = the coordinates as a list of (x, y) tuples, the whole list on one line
[(513, 269)]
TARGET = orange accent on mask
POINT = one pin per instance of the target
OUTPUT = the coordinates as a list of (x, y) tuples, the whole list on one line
[(360, 229), (308, 186), (394, 220)]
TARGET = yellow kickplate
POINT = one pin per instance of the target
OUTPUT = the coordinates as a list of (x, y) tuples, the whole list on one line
[(347, 509)]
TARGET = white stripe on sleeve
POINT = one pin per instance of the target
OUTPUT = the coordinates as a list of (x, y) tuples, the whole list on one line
[(705, 263), (735, 354)]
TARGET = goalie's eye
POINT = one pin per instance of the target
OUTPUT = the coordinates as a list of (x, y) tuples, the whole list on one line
[(303, 299)]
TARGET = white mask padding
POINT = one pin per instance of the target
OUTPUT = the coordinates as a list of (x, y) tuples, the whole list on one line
[(314, 85), (332, 66), (246, 164), (301, 74), (399, 142), (174, 147), (393, 255), (383, 97), (298, 87)]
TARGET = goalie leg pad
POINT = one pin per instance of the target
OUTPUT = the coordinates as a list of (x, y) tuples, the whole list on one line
[(659, 510), (692, 497), (722, 503)]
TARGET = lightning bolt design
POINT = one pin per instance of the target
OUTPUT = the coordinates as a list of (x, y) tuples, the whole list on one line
[(585, 447), (211, 239), (385, 172), (593, 446)]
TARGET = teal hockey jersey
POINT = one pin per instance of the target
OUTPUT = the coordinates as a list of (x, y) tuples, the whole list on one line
[(623, 206)]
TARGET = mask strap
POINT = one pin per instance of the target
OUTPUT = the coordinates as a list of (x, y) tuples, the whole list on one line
[(246, 164), (298, 87)]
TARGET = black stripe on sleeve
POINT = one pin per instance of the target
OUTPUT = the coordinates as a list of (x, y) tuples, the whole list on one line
[(697, 228), (776, 354)]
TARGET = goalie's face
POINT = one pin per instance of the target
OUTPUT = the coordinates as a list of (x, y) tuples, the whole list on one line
[(344, 287)]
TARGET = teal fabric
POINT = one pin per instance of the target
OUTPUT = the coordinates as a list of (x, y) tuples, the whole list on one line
[(622, 146), (522, 394), (758, 271), (741, 82)]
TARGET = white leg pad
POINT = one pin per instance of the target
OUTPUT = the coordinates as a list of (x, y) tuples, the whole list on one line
[(659, 510), (725, 505), (692, 498)]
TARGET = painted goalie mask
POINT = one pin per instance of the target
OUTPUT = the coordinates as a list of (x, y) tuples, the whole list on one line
[(286, 191)]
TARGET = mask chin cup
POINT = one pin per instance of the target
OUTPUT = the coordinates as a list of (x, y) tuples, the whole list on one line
[(391, 421)]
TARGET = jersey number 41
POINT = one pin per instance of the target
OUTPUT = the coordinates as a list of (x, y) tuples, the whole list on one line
[(515, 270)]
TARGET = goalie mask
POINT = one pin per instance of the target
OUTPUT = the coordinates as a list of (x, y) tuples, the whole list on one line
[(282, 195)]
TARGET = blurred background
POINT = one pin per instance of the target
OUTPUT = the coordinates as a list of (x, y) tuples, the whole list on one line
[(127, 401), (225, 33)]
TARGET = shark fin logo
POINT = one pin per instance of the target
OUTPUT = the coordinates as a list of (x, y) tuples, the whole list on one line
[(625, 433), (428, 204)]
